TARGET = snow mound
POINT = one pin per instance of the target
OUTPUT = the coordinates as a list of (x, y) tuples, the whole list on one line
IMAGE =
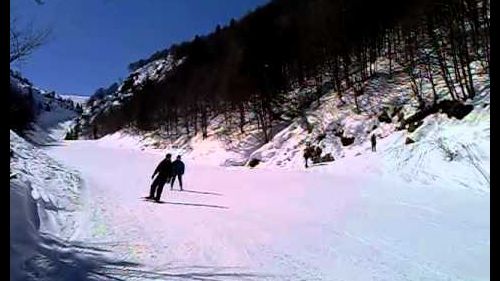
[(24, 225), (44, 204), (54, 187), (450, 150), (120, 140)]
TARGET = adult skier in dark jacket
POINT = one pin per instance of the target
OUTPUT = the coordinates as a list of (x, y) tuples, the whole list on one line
[(164, 171), (178, 171)]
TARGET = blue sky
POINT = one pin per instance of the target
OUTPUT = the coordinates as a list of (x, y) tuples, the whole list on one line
[(93, 41)]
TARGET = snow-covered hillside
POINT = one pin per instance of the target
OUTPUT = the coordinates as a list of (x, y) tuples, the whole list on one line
[(82, 100), (155, 70), (53, 113), (324, 125)]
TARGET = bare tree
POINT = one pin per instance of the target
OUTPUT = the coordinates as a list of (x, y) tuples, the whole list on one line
[(23, 41)]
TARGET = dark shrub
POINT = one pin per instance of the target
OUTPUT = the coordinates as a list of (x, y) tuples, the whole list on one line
[(456, 109), (409, 140), (384, 117), (346, 141), (413, 126), (21, 111), (320, 137), (253, 162), (327, 158)]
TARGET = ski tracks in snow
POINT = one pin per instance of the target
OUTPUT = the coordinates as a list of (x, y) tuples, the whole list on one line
[(242, 224)]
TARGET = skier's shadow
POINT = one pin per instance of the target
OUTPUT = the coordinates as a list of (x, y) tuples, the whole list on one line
[(186, 204), (196, 205), (202, 192)]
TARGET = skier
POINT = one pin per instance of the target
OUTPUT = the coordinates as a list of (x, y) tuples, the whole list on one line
[(374, 143), (177, 171), (317, 154), (164, 171), (307, 153)]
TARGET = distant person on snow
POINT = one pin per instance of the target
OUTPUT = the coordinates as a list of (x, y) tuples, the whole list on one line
[(307, 153), (177, 171), (164, 171), (374, 143), (317, 155)]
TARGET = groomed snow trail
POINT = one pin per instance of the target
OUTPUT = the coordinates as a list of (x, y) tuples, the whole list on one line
[(244, 224)]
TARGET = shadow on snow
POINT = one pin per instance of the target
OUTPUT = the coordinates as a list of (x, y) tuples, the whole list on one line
[(186, 204), (202, 192), (197, 205), (62, 260)]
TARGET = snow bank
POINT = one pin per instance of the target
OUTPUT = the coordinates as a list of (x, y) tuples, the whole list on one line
[(24, 225), (121, 139), (213, 152), (44, 200), (210, 151), (453, 151), (54, 188)]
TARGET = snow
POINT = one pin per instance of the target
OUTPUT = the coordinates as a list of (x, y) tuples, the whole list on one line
[(428, 159), (406, 212), (44, 203), (54, 188), (230, 148), (54, 114), (23, 229), (82, 100), (210, 151), (352, 220), (156, 70), (51, 127)]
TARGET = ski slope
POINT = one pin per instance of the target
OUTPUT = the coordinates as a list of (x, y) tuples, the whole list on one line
[(351, 220)]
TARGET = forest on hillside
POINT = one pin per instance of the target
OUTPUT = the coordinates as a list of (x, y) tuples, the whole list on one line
[(251, 64)]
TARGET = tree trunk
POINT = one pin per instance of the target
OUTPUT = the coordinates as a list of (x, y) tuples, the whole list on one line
[(441, 61), (389, 43), (196, 121), (242, 117), (263, 120), (431, 80), (186, 124), (466, 60), (204, 122)]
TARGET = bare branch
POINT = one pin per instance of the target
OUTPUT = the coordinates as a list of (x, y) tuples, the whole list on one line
[(24, 42)]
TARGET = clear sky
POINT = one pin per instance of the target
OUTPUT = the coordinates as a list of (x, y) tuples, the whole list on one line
[(93, 41)]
